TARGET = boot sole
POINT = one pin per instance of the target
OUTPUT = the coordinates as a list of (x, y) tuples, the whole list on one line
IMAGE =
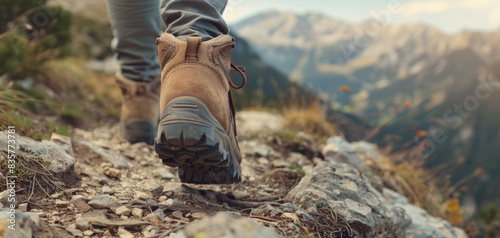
[(139, 131), (190, 138)]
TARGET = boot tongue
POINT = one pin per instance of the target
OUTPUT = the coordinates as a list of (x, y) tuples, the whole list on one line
[(193, 44)]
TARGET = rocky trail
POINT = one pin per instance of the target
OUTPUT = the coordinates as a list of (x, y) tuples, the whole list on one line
[(98, 185)]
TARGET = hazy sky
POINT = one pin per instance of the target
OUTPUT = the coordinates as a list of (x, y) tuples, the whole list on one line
[(450, 16)]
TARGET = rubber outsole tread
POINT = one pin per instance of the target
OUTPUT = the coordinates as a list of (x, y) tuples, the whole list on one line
[(197, 144), (139, 131)]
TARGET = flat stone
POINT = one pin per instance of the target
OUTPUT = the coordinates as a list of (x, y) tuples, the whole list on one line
[(57, 195), (171, 202), (62, 203), (63, 141), (155, 189), (198, 215), (81, 205), (122, 233), (72, 190), (112, 173), (126, 223), (23, 207), (76, 197), (137, 212), (177, 214), (82, 224), (118, 161), (75, 232), (107, 190), (60, 163), (160, 214), (101, 201), (94, 216), (103, 180), (163, 173), (123, 210), (226, 225), (88, 233), (149, 231)]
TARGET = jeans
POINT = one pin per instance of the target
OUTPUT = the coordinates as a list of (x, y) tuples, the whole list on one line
[(137, 23)]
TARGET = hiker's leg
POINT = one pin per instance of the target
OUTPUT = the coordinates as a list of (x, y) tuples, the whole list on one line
[(194, 17), (136, 24), (197, 132)]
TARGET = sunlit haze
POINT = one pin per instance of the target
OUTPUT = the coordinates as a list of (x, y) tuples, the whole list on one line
[(449, 16)]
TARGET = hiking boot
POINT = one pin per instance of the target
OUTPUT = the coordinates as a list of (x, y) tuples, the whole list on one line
[(140, 109), (197, 131)]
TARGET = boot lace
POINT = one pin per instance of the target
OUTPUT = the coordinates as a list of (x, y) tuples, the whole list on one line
[(241, 70)]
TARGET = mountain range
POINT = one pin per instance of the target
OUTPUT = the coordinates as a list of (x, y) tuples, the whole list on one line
[(325, 53), (409, 78)]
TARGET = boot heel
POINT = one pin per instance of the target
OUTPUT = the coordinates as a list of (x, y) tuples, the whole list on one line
[(139, 131), (190, 138), (187, 135)]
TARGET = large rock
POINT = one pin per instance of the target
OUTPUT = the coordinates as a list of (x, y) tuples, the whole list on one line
[(14, 223), (349, 193), (372, 213), (367, 149), (225, 225), (102, 202), (60, 163), (251, 121), (338, 150), (255, 148), (423, 225)]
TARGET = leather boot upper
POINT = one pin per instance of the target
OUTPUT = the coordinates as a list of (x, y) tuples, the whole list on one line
[(140, 100), (201, 70)]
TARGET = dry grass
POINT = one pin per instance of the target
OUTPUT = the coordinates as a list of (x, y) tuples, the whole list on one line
[(326, 224), (70, 73), (67, 93), (309, 119), (420, 185), (32, 176)]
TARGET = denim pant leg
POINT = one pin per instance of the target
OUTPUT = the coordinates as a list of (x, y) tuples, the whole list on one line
[(136, 24), (194, 17)]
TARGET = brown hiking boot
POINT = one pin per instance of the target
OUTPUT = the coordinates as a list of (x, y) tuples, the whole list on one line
[(140, 109), (197, 132)]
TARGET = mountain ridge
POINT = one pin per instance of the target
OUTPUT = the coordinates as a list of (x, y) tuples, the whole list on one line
[(408, 75)]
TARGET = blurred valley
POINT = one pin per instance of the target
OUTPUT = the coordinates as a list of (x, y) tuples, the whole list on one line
[(408, 78)]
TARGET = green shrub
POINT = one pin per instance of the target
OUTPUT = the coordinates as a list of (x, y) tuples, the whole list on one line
[(32, 34), (10, 10)]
